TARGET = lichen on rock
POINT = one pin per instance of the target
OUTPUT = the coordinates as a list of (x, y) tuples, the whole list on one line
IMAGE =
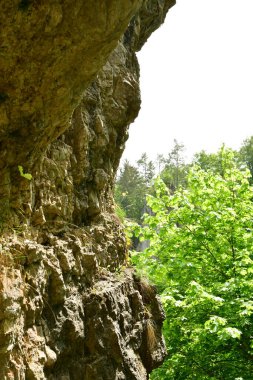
[(70, 304)]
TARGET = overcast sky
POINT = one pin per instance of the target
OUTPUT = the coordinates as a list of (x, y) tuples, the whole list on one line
[(196, 79)]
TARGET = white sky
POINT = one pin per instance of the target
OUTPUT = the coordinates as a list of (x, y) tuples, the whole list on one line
[(196, 80)]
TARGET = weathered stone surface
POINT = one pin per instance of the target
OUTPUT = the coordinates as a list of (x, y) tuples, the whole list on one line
[(50, 51), (150, 17), (62, 314), (70, 305)]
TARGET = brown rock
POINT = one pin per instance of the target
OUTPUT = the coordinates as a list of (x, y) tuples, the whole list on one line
[(69, 88)]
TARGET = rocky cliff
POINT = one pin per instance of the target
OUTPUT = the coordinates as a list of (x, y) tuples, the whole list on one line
[(71, 307)]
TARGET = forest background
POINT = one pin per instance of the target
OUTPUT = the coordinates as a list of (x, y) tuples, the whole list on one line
[(196, 220)]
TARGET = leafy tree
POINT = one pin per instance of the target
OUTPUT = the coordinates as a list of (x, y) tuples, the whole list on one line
[(209, 161), (215, 162), (246, 153), (132, 185), (200, 257), (146, 167), (130, 192), (160, 162), (175, 170)]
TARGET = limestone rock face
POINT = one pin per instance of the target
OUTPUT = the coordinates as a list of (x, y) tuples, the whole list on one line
[(71, 307)]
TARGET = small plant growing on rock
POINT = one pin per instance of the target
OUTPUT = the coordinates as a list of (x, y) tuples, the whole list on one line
[(25, 175)]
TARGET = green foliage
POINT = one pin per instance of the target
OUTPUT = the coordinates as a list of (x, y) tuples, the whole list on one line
[(25, 175), (200, 257), (120, 213), (146, 168), (209, 161), (130, 192), (175, 170), (215, 161), (246, 153), (135, 182)]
